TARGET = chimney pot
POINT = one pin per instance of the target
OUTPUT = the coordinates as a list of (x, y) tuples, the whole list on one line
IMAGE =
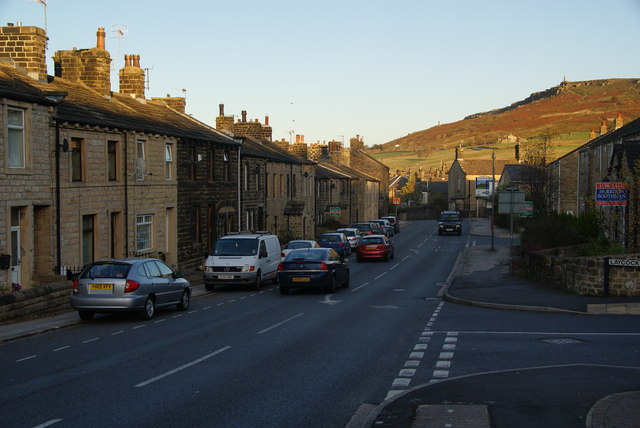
[(244, 115), (100, 38), (136, 60), (221, 107), (266, 121)]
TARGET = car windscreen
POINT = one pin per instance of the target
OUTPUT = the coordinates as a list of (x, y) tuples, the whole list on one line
[(298, 244), (308, 255), (235, 247), (348, 232), (330, 238), (376, 240), (106, 270), (363, 226), (449, 217)]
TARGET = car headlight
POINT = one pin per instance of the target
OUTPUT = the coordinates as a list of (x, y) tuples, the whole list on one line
[(247, 268), (208, 268)]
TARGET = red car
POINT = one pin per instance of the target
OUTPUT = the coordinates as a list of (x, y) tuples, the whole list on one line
[(375, 247)]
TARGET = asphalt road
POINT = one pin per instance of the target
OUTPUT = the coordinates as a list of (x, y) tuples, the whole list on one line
[(238, 357), (243, 358)]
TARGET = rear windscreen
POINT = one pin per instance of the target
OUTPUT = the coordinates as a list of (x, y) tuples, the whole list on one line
[(294, 245), (330, 238), (372, 241), (106, 270)]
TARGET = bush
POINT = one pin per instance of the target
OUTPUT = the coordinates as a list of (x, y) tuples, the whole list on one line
[(553, 230)]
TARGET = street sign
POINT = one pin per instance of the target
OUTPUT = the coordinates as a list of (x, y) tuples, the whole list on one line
[(511, 202), (396, 201), (334, 211), (612, 194), (528, 209), (624, 262)]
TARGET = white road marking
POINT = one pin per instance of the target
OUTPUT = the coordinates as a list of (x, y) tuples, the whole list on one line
[(159, 321), (60, 349), (26, 358), (91, 340), (193, 312), (381, 275), (48, 423), (394, 266), (407, 372), (358, 288), (193, 363), (117, 332), (405, 258), (281, 323), (139, 326), (176, 316), (401, 381)]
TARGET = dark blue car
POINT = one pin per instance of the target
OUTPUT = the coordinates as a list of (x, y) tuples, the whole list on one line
[(338, 241)]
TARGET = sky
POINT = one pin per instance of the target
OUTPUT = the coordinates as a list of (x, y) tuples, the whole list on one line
[(334, 69)]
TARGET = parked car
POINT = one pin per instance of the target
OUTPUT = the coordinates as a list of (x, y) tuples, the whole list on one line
[(376, 228), (394, 222), (375, 247), (242, 259), (353, 235), (387, 228), (313, 268), (338, 241), (450, 222), (296, 244), (364, 227), (131, 284)]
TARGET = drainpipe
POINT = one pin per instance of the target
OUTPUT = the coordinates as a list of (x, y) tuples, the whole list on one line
[(239, 212), (126, 197), (58, 232)]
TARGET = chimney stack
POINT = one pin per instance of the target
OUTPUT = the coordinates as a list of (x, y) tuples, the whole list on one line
[(244, 115), (132, 77), (25, 48), (89, 66)]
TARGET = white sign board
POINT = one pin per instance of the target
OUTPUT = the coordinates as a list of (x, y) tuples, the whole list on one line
[(624, 262)]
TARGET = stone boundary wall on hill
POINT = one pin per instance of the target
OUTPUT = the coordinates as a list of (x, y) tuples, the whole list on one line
[(48, 298), (582, 275)]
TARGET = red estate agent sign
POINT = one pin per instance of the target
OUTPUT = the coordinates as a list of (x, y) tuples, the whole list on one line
[(612, 194)]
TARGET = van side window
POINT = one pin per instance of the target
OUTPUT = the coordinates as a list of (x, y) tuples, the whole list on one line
[(263, 249)]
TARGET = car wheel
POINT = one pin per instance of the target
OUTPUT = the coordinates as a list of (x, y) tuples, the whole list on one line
[(185, 299), (258, 283), (347, 280), (284, 290), (86, 315), (393, 254), (387, 257), (359, 259), (209, 287), (275, 279), (331, 288), (149, 309)]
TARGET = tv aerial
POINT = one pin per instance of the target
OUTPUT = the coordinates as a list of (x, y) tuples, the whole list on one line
[(119, 32)]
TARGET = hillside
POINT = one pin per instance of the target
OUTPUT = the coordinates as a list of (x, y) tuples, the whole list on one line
[(565, 115)]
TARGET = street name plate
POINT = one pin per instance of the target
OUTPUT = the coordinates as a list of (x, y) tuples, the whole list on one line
[(624, 262)]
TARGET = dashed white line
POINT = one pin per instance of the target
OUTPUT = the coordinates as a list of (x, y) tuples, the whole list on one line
[(139, 326), (193, 363), (381, 275), (91, 340), (60, 349), (177, 316), (281, 323), (358, 288), (48, 423), (26, 358), (159, 321), (192, 312), (394, 266), (405, 258), (117, 332), (206, 307)]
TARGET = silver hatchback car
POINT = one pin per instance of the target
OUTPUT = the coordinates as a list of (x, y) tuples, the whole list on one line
[(133, 284)]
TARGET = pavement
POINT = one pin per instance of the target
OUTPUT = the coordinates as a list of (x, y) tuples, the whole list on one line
[(483, 278)]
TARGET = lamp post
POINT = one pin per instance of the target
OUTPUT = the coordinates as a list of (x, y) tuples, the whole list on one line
[(493, 192)]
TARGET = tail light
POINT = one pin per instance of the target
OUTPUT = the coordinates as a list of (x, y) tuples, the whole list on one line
[(74, 286), (283, 255), (382, 246), (340, 244), (280, 267), (131, 286), (324, 266)]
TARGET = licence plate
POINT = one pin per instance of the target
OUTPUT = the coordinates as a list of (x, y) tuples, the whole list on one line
[(225, 276), (301, 279), (372, 247), (101, 288)]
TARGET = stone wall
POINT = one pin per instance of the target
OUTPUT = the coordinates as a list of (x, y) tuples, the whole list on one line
[(582, 275), (48, 298)]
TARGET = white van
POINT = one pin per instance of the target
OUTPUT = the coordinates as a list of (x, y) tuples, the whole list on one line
[(244, 259)]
